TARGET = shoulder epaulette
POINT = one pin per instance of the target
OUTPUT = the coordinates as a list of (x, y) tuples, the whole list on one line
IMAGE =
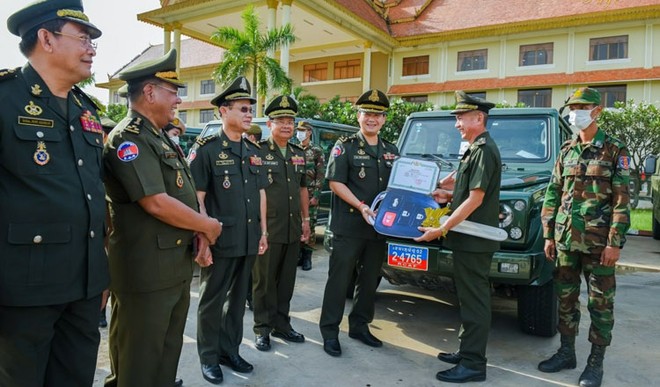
[(297, 146), (207, 139), (343, 139), (6, 74), (86, 97), (134, 126), (252, 142), (613, 140)]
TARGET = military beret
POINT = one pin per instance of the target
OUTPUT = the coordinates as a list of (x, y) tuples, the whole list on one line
[(39, 12), (304, 125), (467, 103), (176, 123), (254, 129), (373, 101), (163, 68), (282, 106), (238, 89), (585, 96)]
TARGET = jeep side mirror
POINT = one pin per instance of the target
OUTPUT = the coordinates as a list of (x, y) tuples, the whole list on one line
[(650, 164)]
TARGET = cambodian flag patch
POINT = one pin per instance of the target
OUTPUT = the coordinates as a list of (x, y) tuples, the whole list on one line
[(127, 151), (624, 162), (337, 151)]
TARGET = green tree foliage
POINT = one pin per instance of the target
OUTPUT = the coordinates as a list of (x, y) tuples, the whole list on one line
[(397, 114), (116, 112), (247, 54), (308, 104), (637, 125)]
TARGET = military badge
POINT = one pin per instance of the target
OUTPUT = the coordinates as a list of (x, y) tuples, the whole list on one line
[(337, 151), (192, 156), (36, 89), (361, 152), (127, 151), (223, 156), (90, 123), (373, 97), (269, 157), (179, 179), (226, 184), (624, 162), (41, 155), (32, 109), (225, 143), (297, 160), (362, 174), (255, 160)]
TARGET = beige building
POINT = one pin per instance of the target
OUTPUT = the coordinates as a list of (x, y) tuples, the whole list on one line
[(534, 52)]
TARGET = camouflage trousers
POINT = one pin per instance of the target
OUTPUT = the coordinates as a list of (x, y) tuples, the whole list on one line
[(309, 245), (601, 288)]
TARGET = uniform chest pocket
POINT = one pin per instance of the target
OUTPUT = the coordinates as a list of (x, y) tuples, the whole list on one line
[(364, 162), (38, 151), (599, 168)]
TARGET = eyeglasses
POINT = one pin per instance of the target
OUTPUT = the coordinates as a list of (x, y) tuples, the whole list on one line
[(244, 109), (174, 92), (86, 41), (283, 121)]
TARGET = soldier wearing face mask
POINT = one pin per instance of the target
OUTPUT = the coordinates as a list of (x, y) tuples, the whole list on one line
[(585, 217)]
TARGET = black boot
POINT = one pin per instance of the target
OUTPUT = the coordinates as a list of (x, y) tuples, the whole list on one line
[(593, 372), (563, 359), (300, 256), (307, 260)]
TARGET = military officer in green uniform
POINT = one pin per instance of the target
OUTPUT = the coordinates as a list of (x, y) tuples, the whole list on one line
[(585, 215), (231, 188), (475, 197), (315, 166), (53, 268), (153, 207), (274, 273), (359, 169)]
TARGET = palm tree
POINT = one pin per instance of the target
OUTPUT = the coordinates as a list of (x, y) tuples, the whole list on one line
[(247, 54)]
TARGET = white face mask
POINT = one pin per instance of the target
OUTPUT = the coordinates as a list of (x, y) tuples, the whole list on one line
[(301, 136), (580, 119), (175, 139)]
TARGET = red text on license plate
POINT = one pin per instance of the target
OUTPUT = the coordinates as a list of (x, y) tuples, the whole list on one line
[(409, 257)]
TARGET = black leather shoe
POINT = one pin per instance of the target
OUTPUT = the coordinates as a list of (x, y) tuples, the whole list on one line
[(452, 358), (291, 336), (367, 338), (178, 382), (332, 347), (262, 343), (237, 363), (460, 374), (212, 373), (307, 264)]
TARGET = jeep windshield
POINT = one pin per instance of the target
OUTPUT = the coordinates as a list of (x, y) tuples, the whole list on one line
[(520, 139)]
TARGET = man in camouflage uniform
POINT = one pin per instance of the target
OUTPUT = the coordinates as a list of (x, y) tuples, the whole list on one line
[(315, 167), (585, 216)]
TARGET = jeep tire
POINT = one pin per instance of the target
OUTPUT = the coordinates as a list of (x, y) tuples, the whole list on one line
[(537, 309)]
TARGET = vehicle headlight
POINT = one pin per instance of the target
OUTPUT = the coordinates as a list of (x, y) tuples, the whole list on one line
[(506, 215), (515, 233), (519, 205)]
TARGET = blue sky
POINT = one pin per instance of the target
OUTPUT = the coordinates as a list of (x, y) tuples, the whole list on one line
[(123, 37)]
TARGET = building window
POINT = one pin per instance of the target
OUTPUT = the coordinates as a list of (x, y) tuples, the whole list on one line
[(315, 72), (416, 98), (416, 65), (536, 54), (472, 60), (611, 94), (346, 69), (205, 115), (115, 97), (536, 97), (613, 47), (183, 91), (183, 115), (478, 94), (207, 86)]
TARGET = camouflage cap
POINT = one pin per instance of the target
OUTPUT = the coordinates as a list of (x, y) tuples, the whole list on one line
[(254, 129), (584, 96), (467, 103), (304, 125), (282, 106), (163, 68), (39, 12), (373, 101), (237, 90)]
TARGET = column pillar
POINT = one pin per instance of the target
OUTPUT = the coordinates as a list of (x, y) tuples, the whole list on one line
[(366, 68), (177, 44), (167, 38), (272, 19), (286, 19)]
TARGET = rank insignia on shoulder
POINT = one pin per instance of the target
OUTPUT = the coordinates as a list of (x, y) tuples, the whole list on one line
[(8, 74), (41, 156), (36, 89), (337, 150), (127, 151), (202, 141)]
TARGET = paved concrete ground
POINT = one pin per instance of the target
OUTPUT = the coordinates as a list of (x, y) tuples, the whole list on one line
[(415, 324)]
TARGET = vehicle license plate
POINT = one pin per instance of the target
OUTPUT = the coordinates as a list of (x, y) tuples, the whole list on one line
[(409, 257)]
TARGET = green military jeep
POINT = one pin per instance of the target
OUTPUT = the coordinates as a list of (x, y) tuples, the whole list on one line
[(529, 140), (652, 169)]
